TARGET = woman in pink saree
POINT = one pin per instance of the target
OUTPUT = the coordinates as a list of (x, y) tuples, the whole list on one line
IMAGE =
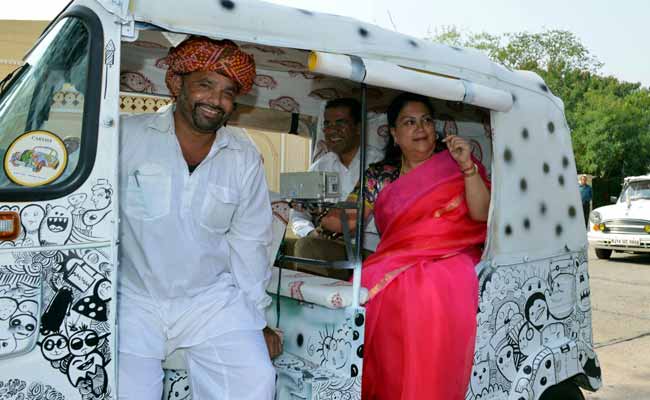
[(430, 204)]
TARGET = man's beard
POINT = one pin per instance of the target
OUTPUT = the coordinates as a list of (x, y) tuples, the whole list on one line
[(209, 125)]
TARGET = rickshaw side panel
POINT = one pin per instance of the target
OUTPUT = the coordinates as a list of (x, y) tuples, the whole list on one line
[(64, 262)]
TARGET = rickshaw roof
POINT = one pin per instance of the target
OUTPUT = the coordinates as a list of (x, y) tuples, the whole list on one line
[(269, 24)]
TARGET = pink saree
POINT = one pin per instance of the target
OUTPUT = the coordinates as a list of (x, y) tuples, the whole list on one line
[(421, 316)]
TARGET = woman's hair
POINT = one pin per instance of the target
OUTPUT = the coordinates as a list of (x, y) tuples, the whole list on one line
[(392, 152)]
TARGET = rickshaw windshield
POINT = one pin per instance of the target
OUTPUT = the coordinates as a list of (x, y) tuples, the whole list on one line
[(41, 112)]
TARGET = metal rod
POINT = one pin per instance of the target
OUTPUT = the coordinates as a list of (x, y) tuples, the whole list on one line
[(356, 278), (350, 253), (342, 264)]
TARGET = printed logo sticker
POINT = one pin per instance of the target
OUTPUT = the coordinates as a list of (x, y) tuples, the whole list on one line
[(35, 158)]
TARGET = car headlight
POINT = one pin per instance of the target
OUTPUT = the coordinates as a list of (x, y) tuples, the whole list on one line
[(594, 217)]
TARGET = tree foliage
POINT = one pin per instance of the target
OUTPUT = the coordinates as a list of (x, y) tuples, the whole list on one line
[(609, 118)]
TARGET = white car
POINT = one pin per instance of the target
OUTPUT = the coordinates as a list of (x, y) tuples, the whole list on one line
[(625, 225)]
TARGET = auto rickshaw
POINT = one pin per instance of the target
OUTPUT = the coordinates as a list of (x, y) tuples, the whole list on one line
[(101, 58)]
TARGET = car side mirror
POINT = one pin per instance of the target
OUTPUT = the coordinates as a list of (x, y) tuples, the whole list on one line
[(613, 199)]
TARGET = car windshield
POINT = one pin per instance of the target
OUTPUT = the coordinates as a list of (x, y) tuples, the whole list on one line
[(636, 190)]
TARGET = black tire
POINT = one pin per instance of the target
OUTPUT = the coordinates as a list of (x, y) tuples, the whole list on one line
[(566, 390), (603, 254)]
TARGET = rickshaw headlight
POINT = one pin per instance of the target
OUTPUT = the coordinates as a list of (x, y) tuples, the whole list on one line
[(646, 228), (602, 227)]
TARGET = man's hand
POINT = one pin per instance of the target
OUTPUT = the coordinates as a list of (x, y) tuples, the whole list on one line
[(273, 342)]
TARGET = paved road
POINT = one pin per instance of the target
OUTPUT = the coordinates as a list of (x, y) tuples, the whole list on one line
[(620, 296)]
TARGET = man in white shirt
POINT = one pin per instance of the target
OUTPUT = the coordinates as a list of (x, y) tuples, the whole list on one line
[(195, 225), (342, 131)]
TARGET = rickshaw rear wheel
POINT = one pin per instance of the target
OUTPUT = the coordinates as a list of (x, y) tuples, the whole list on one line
[(603, 254), (566, 390)]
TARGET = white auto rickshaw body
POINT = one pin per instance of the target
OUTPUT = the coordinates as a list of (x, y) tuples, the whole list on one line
[(534, 320)]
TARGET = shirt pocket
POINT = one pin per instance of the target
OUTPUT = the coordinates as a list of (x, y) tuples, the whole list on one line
[(148, 192), (218, 208)]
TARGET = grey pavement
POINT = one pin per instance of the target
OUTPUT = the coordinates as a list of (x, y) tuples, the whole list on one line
[(620, 296)]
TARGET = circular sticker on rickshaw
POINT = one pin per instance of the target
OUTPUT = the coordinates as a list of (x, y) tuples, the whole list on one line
[(35, 158)]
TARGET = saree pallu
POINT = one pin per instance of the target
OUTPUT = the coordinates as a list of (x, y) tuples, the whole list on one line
[(421, 316)]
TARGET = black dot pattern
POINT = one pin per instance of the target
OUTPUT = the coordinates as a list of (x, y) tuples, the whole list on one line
[(359, 320), (543, 87), (456, 48), (560, 180), (514, 98), (355, 335), (551, 127), (572, 212), (558, 230), (508, 230), (306, 12), (523, 185), (413, 43), (524, 134), (543, 381), (546, 168), (565, 162), (354, 371), (507, 155), (542, 208), (360, 351), (363, 32), (228, 4), (526, 223), (300, 340)]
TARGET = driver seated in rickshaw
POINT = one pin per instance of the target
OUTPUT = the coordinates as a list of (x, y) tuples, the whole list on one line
[(342, 135)]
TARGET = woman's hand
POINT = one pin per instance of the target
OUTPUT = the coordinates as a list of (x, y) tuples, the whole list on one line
[(460, 150)]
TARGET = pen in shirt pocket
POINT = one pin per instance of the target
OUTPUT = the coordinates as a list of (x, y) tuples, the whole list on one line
[(135, 175)]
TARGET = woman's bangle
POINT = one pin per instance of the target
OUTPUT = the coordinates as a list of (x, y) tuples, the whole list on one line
[(470, 171)]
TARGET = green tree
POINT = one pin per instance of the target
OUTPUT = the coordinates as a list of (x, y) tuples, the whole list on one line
[(609, 119)]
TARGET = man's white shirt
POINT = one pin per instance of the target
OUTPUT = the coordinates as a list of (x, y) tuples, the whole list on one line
[(193, 242), (301, 222)]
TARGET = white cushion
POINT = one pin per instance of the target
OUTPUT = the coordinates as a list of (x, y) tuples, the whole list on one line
[(326, 292)]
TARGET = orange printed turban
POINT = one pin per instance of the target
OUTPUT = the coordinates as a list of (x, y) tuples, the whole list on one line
[(199, 53)]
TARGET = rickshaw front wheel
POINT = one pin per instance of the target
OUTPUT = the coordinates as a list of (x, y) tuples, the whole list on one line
[(566, 390)]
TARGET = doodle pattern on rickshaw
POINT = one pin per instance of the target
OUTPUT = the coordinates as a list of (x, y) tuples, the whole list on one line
[(531, 333), (73, 331)]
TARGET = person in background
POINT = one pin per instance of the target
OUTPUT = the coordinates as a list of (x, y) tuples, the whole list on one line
[(586, 196), (342, 131)]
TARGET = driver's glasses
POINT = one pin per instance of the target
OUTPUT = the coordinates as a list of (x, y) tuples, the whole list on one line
[(337, 124)]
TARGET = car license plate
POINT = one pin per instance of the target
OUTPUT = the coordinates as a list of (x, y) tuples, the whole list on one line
[(623, 241)]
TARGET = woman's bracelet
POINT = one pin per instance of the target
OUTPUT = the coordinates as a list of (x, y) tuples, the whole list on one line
[(470, 171)]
